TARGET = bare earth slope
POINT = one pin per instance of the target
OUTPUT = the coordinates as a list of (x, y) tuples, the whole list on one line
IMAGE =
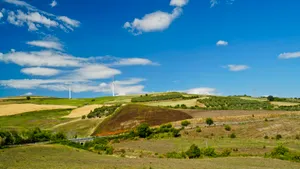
[(132, 115)]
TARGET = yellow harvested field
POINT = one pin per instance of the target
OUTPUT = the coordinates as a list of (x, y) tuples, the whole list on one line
[(12, 109), (284, 104), (85, 110)]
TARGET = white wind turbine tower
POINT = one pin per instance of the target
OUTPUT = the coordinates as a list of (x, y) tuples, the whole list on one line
[(70, 90), (113, 87)]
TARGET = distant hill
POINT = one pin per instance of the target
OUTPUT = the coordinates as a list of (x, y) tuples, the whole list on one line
[(132, 115)]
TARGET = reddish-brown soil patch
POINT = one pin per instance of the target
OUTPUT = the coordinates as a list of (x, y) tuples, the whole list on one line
[(130, 116)]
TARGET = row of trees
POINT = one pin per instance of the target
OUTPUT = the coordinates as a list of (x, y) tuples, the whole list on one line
[(103, 111), (149, 98), (233, 103), (29, 136)]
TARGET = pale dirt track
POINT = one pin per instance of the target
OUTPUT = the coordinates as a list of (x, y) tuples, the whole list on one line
[(85, 110), (12, 109)]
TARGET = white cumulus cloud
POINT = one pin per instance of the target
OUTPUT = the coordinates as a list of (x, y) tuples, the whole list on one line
[(40, 71), (1, 15), (222, 43), (95, 72), (291, 55), (237, 68), (53, 3), (213, 3), (133, 61), (27, 94), (157, 21), (203, 91), (42, 58), (35, 18), (47, 44), (179, 3)]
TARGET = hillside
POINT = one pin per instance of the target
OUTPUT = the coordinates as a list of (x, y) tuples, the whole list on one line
[(132, 115)]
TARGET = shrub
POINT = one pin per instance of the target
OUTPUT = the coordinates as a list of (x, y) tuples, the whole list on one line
[(198, 129), (28, 97), (103, 111), (185, 123), (93, 100), (209, 121), (193, 152), (58, 136), (232, 135), (209, 152), (297, 137), (143, 130), (278, 137), (226, 152), (183, 106), (270, 98), (83, 117), (279, 150), (266, 137), (227, 128)]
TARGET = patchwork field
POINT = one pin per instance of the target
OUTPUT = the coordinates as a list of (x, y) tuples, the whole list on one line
[(85, 110), (57, 156), (12, 109)]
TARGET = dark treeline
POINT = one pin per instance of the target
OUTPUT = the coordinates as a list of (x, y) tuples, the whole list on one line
[(168, 96), (30, 136)]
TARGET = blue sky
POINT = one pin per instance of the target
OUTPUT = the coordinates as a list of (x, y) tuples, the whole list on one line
[(226, 47)]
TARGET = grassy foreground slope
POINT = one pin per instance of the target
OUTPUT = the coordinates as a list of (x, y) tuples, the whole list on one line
[(132, 115), (57, 156)]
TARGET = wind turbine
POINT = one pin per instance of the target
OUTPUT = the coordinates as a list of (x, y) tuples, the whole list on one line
[(113, 87)]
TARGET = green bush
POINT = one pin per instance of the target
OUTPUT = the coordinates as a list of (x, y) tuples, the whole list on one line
[(209, 152), (185, 123), (193, 152), (59, 136), (227, 128), (28, 97), (270, 98), (232, 135), (279, 150), (83, 117), (143, 130), (278, 137), (198, 130), (209, 121)]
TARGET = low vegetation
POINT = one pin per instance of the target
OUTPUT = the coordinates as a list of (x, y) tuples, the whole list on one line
[(160, 97), (234, 103), (103, 111), (29, 136)]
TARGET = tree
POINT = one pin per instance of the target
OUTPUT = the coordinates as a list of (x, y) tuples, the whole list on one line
[(193, 152), (270, 98), (28, 97), (185, 123), (143, 130), (209, 121), (83, 117)]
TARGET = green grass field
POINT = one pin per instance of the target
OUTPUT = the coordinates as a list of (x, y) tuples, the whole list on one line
[(81, 128), (44, 119), (70, 102), (57, 156)]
